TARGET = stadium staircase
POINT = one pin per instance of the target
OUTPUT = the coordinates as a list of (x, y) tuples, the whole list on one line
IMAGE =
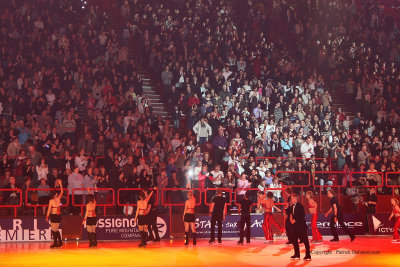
[(150, 89), (339, 101)]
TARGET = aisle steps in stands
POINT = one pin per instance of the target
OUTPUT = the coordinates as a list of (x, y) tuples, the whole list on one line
[(117, 22), (149, 89), (339, 101), (155, 99)]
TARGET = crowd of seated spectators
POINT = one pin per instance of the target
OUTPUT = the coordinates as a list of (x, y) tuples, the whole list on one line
[(256, 80), (68, 94), (252, 83)]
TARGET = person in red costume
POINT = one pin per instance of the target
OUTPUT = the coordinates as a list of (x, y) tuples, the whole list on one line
[(267, 204), (396, 215), (312, 206)]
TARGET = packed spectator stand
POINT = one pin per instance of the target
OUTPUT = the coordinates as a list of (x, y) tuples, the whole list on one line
[(251, 97)]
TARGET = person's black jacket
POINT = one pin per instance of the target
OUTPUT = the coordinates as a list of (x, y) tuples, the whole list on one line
[(244, 131), (319, 152), (146, 182), (176, 115), (114, 180), (103, 182), (6, 194), (123, 183), (299, 216)]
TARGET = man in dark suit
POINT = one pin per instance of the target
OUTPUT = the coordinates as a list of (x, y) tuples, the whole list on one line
[(298, 220)]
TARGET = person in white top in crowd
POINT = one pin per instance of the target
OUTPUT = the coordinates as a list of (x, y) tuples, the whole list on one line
[(218, 175), (226, 73), (307, 148), (262, 169), (277, 193), (203, 131), (81, 160), (42, 170), (396, 144)]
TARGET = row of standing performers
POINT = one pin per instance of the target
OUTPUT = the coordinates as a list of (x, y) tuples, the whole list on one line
[(295, 224)]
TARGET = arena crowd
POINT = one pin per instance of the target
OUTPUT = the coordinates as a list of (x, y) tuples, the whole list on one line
[(250, 95)]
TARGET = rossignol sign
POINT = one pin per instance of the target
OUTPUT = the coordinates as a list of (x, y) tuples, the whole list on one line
[(125, 228)]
